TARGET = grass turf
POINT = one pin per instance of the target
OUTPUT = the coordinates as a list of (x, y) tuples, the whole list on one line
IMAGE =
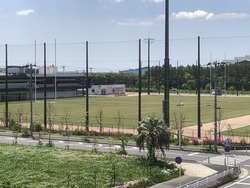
[(127, 106)]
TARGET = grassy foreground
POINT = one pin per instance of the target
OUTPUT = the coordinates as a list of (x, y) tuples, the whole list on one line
[(127, 106), (29, 166)]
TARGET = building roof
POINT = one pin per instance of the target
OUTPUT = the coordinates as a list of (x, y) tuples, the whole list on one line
[(244, 59)]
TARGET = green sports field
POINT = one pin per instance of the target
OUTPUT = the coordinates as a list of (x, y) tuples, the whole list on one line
[(127, 106)]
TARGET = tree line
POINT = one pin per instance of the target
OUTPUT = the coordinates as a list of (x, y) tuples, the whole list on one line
[(231, 77)]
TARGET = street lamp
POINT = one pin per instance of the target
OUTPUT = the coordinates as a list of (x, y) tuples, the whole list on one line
[(31, 99), (180, 104)]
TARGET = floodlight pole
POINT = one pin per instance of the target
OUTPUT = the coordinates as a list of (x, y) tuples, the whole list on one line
[(31, 105), (148, 41), (35, 70), (6, 87), (55, 73), (225, 76), (165, 103), (199, 91), (45, 90), (140, 84), (87, 87)]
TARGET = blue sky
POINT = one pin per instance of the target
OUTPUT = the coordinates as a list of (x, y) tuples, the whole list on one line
[(113, 28)]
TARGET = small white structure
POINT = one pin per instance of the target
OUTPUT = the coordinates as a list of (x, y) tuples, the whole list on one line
[(49, 70), (116, 89)]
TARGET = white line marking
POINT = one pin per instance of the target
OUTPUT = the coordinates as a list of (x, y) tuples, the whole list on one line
[(191, 154), (238, 182)]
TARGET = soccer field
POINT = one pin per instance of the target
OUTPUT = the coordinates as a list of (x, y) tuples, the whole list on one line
[(127, 107)]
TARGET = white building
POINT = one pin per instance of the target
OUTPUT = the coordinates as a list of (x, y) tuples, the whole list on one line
[(49, 70), (116, 89), (237, 60)]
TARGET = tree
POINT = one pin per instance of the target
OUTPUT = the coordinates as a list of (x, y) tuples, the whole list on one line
[(51, 118), (190, 82), (99, 118), (155, 134), (157, 78), (118, 120), (66, 117), (178, 123)]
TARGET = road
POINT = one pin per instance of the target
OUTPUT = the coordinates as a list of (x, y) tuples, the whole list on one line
[(241, 182), (104, 147)]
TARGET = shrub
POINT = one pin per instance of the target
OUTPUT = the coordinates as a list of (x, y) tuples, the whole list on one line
[(50, 145), (5, 184), (185, 141), (208, 141), (78, 132), (195, 141), (220, 142), (13, 125), (37, 126), (25, 132), (243, 142)]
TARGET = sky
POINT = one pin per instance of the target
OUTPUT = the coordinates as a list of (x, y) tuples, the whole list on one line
[(113, 29)]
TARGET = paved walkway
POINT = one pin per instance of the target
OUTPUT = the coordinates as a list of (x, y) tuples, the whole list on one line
[(198, 170), (192, 173)]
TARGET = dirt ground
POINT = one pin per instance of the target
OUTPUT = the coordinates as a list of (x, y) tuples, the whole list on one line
[(234, 123)]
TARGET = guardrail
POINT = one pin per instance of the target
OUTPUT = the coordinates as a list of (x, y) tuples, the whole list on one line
[(214, 180)]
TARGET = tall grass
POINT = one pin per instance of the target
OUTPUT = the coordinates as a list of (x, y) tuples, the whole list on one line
[(28, 166)]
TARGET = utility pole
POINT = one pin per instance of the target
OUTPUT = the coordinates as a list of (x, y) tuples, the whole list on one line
[(215, 106), (148, 41), (215, 103)]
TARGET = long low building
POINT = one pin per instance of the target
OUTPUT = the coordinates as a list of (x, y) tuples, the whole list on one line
[(57, 85)]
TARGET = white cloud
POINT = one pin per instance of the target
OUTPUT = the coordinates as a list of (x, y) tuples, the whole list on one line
[(116, 1), (24, 12), (203, 15), (140, 22), (156, 1), (134, 22)]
